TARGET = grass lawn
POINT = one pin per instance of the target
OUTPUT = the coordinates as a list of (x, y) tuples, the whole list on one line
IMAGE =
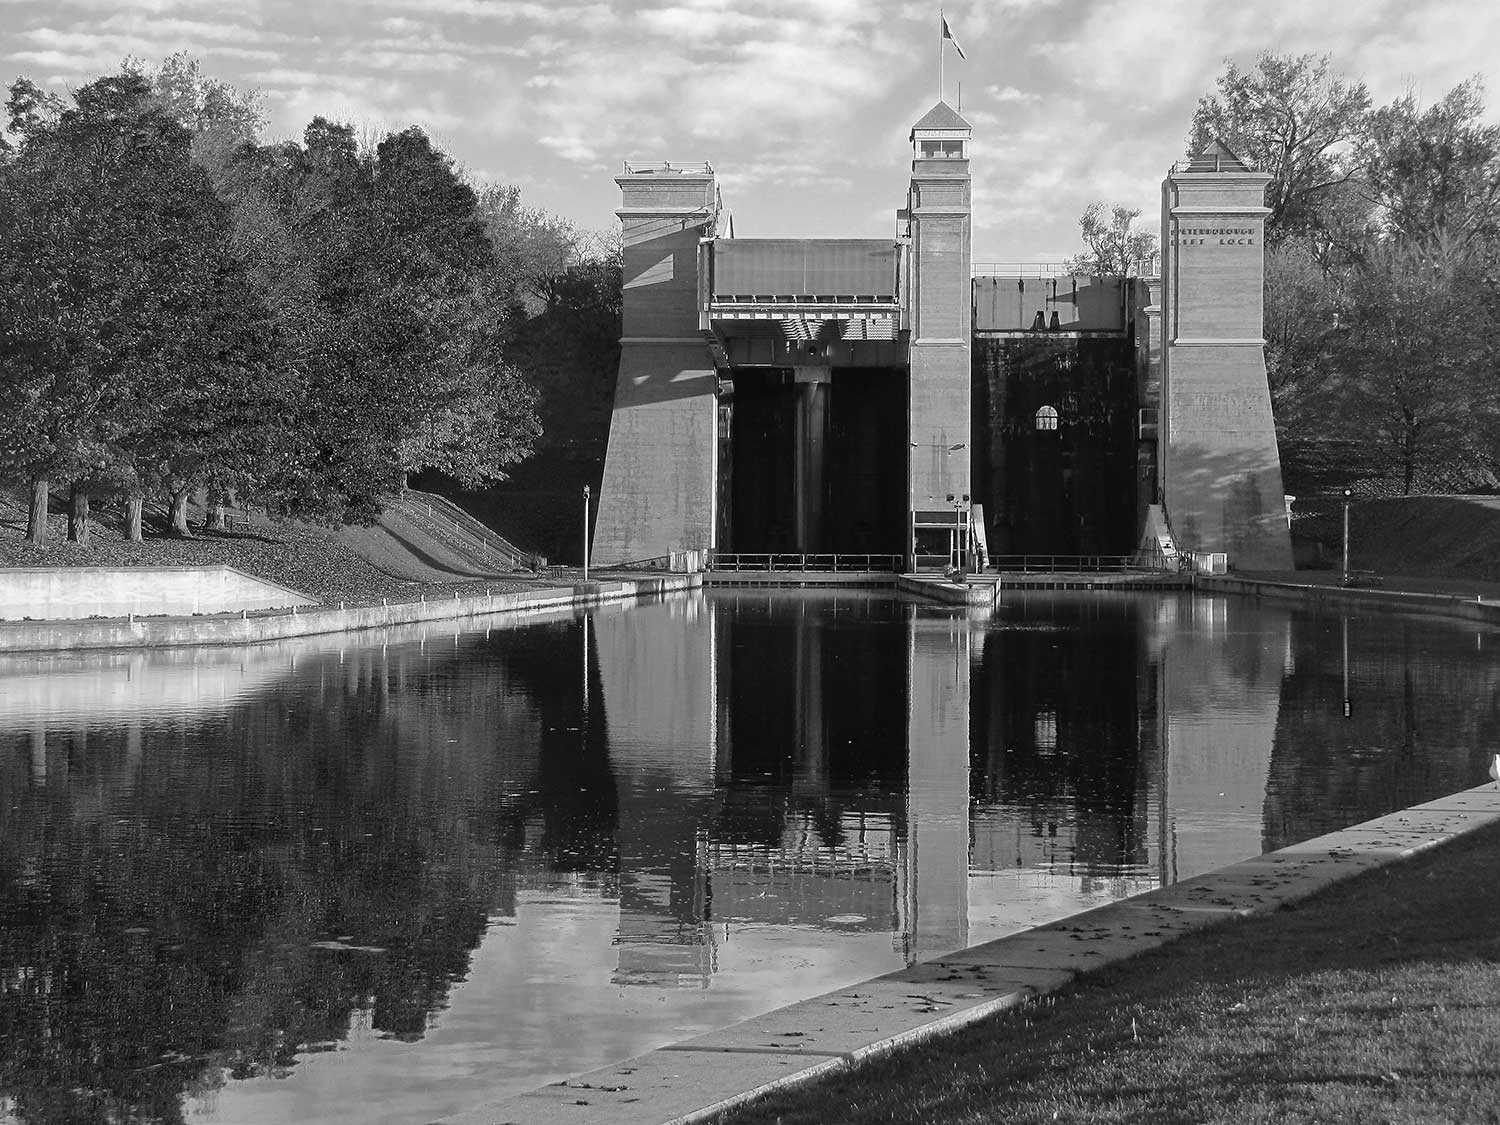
[(1376, 1001)]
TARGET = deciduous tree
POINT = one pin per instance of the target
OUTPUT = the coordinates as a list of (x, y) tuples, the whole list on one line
[(1112, 244), (1435, 172), (1293, 117), (1414, 360)]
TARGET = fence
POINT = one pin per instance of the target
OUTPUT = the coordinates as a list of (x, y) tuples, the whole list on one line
[(1081, 564), (837, 563)]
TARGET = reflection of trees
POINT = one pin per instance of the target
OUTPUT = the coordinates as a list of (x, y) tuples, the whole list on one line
[(210, 897), (575, 794), (1424, 712)]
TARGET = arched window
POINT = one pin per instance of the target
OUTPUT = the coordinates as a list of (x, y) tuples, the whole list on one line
[(1046, 418)]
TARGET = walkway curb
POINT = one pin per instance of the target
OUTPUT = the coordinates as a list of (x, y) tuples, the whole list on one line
[(1442, 605), (695, 1080), (254, 626)]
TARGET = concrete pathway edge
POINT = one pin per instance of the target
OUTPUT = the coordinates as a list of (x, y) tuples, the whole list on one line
[(1440, 605), (695, 1080), (254, 626)]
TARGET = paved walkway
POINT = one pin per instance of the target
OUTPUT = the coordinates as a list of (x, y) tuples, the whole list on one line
[(695, 1079)]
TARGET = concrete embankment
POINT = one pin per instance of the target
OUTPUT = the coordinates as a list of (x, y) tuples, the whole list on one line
[(251, 626), (1460, 607), (696, 1079), (56, 593)]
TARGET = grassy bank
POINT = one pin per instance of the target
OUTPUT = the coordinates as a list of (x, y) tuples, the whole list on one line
[(1376, 1001), (303, 556), (1432, 537)]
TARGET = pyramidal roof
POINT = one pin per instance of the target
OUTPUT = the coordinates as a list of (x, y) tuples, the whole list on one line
[(942, 116), (1217, 157)]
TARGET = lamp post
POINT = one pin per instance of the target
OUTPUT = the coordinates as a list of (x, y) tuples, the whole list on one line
[(960, 535), (1346, 537), (585, 533)]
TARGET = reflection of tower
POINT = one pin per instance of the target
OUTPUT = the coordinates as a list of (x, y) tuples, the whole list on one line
[(657, 671), (937, 729), (810, 772), (1221, 694)]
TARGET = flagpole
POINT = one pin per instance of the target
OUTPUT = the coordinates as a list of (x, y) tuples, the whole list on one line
[(941, 53)]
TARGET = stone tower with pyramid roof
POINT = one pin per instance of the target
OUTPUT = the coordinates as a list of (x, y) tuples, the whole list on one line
[(940, 324), (1219, 464)]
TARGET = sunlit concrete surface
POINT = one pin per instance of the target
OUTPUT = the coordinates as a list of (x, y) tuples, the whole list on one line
[(66, 592), (152, 632)]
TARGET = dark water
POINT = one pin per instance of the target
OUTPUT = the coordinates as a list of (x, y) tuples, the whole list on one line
[(386, 879)]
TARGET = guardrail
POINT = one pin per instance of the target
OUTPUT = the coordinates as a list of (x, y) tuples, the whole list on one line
[(1080, 564), (743, 561), (446, 519), (1021, 269)]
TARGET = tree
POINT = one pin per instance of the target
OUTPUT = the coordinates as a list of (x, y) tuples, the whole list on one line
[(1435, 172), (530, 245), (383, 273), (1414, 361), (219, 117), (1294, 118), (1112, 246), (125, 314)]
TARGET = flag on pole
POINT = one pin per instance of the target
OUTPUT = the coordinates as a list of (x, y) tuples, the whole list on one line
[(948, 35)]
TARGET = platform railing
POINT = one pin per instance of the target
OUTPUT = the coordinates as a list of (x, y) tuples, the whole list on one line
[(785, 561), (1079, 564)]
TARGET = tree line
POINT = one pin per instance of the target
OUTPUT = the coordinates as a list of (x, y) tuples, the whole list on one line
[(295, 325), (1382, 248), (1382, 271)]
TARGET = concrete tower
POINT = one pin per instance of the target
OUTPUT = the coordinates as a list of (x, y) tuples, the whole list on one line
[(1220, 469), (939, 320), (658, 493)]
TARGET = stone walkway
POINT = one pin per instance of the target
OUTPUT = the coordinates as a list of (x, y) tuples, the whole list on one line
[(695, 1079)]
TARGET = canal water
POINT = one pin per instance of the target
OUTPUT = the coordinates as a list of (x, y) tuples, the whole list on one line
[(387, 878)]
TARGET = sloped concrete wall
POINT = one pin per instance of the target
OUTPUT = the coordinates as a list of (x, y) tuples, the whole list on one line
[(658, 492), (64, 593), (1221, 470)]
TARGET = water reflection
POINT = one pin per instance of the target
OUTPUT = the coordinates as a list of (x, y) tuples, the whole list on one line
[(324, 881)]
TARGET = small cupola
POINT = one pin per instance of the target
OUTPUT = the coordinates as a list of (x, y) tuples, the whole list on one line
[(942, 134)]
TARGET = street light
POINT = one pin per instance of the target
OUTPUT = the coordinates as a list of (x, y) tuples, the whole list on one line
[(585, 533), (1346, 537), (960, 543)]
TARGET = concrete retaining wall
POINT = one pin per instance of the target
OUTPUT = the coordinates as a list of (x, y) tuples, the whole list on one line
[(1445, 605), (66, 592), (250, 627)]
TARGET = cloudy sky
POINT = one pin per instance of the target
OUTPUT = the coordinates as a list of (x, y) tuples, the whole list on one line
[(803, 106)]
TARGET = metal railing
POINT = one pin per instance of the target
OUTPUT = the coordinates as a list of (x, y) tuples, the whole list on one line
[(442, 518), (1080, 564), (688, 167), (1021, 269), (751, 561)]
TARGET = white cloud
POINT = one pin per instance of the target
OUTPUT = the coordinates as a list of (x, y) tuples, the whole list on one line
[(1004, 94), (802, 107)]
